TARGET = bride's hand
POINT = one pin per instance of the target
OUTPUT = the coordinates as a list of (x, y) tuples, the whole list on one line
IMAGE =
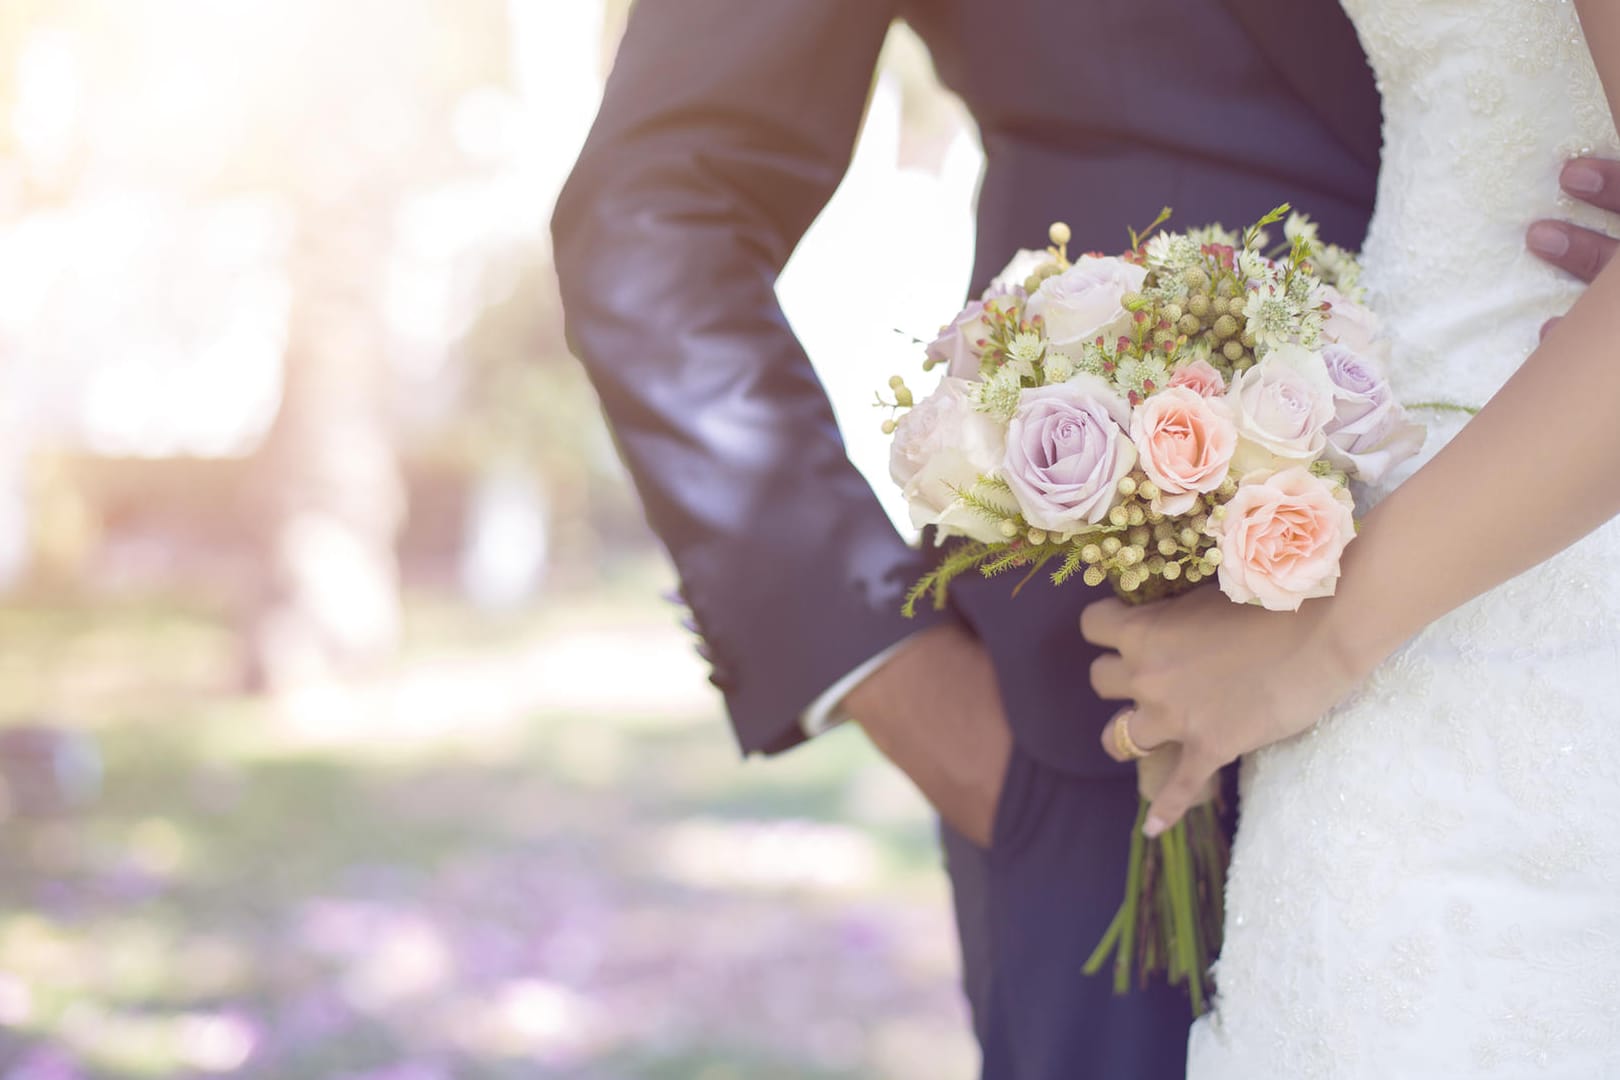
[(1219, 679), (1579, 251)]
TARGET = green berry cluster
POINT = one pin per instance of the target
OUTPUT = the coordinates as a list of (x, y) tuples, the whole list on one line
[(1147, 554), (1200, 311)]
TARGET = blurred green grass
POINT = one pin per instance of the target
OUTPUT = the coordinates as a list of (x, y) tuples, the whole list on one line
[(464, 867)]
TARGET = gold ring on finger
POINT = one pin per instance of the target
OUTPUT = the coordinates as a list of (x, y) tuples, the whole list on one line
[(1122, 737)]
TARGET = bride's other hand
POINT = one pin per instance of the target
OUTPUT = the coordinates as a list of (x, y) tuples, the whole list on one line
[(1580, 251), (1217, 678)]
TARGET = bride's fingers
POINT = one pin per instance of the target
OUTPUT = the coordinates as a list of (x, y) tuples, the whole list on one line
[(1593, 180), (1184, 790), (1103, 621), (1571, 248), (1111, 678)]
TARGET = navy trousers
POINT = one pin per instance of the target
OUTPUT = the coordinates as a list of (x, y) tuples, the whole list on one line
[(1030, 910)]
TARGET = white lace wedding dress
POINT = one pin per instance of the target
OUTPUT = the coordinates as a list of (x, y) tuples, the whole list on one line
[(1428, 883)]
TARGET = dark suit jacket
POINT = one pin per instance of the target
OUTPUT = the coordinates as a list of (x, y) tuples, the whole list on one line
[(726, 126)]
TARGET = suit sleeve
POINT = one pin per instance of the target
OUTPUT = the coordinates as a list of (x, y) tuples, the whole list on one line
[(725, 127)]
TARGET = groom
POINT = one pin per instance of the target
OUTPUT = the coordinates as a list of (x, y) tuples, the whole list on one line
[(725, 127)]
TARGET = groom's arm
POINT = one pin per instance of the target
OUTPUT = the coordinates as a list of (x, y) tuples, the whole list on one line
[(724, 129)]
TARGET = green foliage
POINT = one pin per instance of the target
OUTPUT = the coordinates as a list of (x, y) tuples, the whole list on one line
[(1138, 239), (934, 584), (1251, 235), (1072, 565)]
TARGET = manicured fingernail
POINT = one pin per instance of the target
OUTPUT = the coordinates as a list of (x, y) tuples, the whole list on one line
[(1548, 240), (1153, 828), (1580, 179)]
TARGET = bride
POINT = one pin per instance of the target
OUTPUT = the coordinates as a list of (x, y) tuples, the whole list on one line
[(1426, 879)]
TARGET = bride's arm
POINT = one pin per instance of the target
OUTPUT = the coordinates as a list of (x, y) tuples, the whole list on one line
[(1540, 463)]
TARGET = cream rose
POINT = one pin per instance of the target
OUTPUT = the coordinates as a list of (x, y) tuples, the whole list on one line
[(1083, 302), (1281, 538), (1282, 407), (943, 446), (1185, 444), (1348, 323)]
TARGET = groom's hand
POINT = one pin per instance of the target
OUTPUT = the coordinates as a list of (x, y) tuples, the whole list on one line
[(936, 712), (1580, 251)]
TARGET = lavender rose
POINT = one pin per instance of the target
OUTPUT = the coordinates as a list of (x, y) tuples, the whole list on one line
[(960, 345), (1083, 302), (1369, 433), (1066, 451), (943, 446), (1282, 406)]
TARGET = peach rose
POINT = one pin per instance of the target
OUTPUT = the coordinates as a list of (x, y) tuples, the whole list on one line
[(1186, 443), (1201, 376), (1281, 538)]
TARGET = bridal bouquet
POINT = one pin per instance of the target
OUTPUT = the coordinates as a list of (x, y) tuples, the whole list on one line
[(1193, 409)]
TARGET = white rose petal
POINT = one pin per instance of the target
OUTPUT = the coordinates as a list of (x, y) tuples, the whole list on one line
[(1083, 302), (1282, 407), (941, 447), (1023, 266)]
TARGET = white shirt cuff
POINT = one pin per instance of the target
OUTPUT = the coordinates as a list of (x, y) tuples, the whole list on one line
[(828, 711)]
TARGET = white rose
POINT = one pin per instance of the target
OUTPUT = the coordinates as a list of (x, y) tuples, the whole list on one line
[(1348, 323), (1083, 302), (942, 446), (1022, 267), (1282, 407)]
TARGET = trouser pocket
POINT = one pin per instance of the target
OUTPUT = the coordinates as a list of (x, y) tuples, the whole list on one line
[(1015, 805)]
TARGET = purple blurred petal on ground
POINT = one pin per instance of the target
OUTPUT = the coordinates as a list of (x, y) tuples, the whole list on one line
[(45, 1063), (410, 1070)]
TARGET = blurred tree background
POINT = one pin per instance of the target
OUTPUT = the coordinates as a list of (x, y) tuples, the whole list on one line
[(341, 731)]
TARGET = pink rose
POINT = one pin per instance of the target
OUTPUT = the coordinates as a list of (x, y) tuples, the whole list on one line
[(1201, 377), (1186, 443), (1281, 538), (960, 345), (1083, 302), (1066, 452), (1348, 323), (942, 446), (1282, 407), (1369, 433)]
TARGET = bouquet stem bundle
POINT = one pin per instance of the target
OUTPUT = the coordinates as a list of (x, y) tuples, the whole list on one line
[(1170, 920)]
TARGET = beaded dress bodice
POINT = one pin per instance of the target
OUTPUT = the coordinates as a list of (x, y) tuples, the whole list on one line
[(1427, 884), (1484, 100)]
